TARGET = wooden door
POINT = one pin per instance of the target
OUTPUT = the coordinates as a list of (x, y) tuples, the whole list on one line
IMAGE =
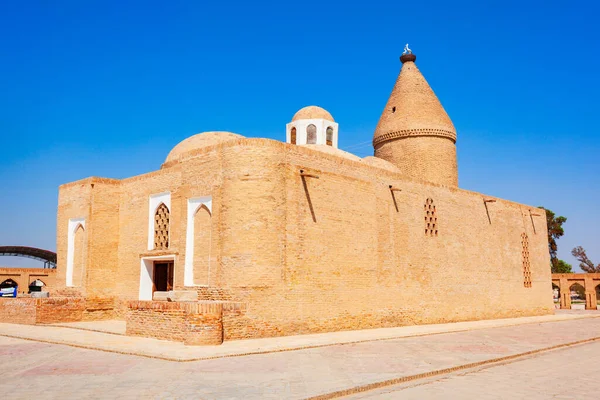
[(163, 276)]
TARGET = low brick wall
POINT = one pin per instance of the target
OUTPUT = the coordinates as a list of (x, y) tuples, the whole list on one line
[(59, 309), (17, 311), (41, 311), (100, 308), (190, 323)]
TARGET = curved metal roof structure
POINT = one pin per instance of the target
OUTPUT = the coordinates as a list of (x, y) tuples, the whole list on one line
[(47, 256)]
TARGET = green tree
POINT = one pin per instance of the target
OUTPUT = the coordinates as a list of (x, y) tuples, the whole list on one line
[(584, 262), (562, 267), (555, 231)]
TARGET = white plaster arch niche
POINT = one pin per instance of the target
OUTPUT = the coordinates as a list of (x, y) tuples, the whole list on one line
[(74, 224), (154, 201), (193, 206)]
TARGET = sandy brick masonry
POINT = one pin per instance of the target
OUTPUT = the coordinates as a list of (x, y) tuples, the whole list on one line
[(24, 310), (315, 255), (301, 239), (190, 323)]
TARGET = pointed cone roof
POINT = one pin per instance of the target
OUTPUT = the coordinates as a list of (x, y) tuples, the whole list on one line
[(412, 109)]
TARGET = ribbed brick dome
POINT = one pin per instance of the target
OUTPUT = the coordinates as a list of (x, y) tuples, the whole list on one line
[(313, 112), (412, 109), (200, 140)]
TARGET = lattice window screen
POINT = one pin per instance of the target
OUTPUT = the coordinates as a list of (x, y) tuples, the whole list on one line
[(161, 227), (431, 227), (526, 263)]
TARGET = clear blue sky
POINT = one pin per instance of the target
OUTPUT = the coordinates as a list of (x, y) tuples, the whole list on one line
[(103, 88)]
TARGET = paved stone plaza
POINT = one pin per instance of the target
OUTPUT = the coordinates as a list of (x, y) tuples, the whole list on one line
[(569, 373), (43, 370)]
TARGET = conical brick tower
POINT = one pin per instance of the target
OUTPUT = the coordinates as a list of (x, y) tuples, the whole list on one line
[(414, 131)]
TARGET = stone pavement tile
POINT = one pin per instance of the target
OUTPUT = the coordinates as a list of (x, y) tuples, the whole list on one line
[(178, 351), (74, 373), (108, 326), (568, 373)]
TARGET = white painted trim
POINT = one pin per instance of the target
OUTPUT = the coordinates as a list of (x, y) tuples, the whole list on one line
[(301, 135), (72, 228), (193, 206), (153, 203), (147, 274)]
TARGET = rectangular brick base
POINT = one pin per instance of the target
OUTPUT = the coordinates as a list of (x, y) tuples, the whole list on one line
[(193, 323)]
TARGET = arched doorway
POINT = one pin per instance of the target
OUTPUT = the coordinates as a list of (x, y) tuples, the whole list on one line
[(36, 286), (555, 293), (577, 294), (8, 283), (9, 288)]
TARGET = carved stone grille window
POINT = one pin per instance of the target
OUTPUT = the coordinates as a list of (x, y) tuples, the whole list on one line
[(526, 264), (329, 136), (311, 134), (293, 136), (161, 228), (431, 227)]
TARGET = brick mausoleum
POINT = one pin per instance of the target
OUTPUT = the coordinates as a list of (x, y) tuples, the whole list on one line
[(238, 237)]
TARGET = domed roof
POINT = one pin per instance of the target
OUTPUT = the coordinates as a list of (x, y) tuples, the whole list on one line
[(312, 112), (198, 141), (413, 109)]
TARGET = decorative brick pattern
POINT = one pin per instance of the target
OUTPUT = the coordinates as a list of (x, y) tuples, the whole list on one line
[(414, 132), (526, 263), (161, 228), (431, 227)]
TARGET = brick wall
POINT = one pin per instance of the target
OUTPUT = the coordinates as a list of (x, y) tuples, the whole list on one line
[(100, 308), (313, 255), (426, 158), (41, 311), (57, 309), (190, 323), (17, 310)]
